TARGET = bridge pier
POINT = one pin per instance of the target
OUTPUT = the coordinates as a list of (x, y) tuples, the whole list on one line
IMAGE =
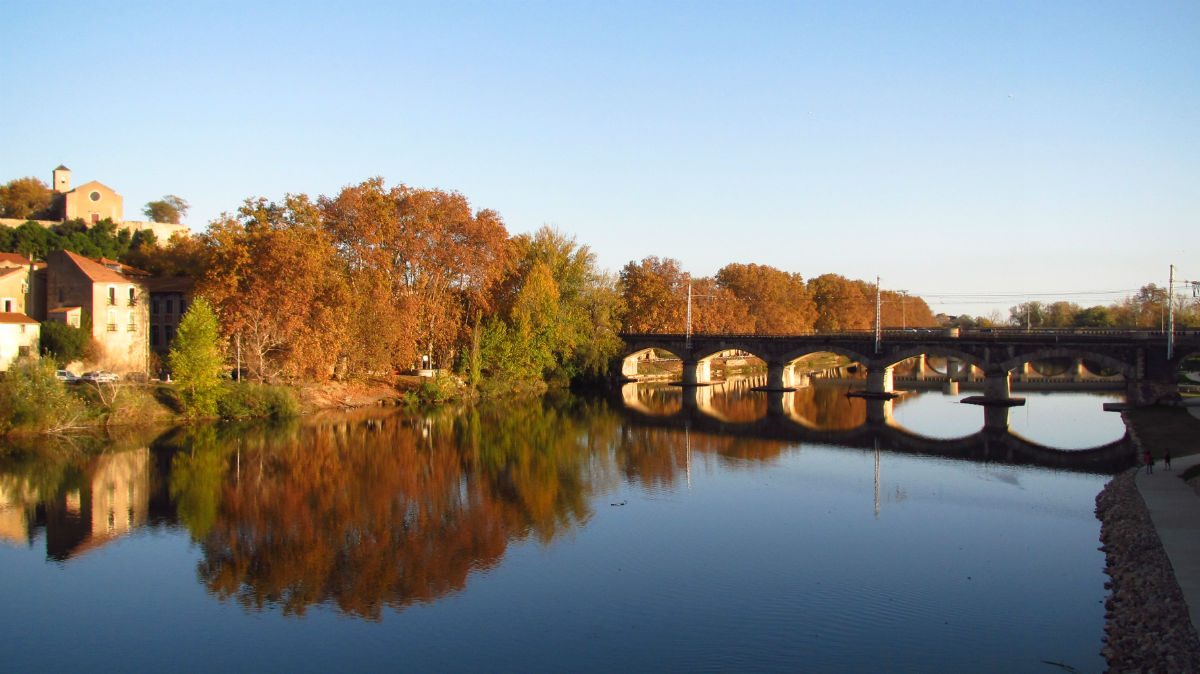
[(779, 377), (922, 368), (880, 384), (997, 391), (697, 372), (629, 368)]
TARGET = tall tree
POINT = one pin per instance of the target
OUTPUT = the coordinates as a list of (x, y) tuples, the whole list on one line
[(196, 359)]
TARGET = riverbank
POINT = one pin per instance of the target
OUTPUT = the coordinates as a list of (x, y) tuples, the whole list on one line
[(1148, 621)]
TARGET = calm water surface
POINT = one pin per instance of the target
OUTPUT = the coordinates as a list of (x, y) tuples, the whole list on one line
[(734, 530)]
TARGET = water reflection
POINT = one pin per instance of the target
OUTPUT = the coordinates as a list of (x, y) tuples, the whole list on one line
[(915, 422), (374, 509)]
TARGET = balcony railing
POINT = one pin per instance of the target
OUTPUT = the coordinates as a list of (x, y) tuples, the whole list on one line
[(131, 328), (112, 301), (133, 301), (112, 327)]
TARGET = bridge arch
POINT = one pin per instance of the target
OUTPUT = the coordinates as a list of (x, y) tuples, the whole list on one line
[(1126, 370)]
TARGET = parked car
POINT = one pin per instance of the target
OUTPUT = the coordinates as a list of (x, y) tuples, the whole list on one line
[(67, 376), (99, 377)]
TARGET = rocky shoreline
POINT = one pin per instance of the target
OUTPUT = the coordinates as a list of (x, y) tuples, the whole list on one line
[(1148, 628)]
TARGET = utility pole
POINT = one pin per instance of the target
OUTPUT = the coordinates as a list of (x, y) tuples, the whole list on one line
[(903, 313), (688, 332), (1171, 313), (877, 313)]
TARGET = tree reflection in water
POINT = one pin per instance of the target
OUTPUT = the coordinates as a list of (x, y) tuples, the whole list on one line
[(383, 510)]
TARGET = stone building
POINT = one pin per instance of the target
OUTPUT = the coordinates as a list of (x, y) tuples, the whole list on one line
[(115, 298)]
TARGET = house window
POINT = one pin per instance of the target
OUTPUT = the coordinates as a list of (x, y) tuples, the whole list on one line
[(153, 306), (7, 305), (130, 326), (112, 296), (132, 297), (153, 335), (170, 332), (111, 326), (182, 306), (170, 306)]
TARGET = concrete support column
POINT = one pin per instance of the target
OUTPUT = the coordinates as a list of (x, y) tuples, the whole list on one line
[(950, 388), (1079, 370), (696, 372), (997, 386), (879, 380), (801, 380), (697, 398), (922, 368)]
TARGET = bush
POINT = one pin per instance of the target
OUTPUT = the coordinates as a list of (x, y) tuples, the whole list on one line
[(32, 398), (240, 400)]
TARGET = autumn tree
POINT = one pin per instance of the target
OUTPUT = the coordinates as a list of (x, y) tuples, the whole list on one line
[(26, 198), (420, 262), (842, 304), (168, 209), (655, 293), (776, 302), (275, 278), (196, 359)]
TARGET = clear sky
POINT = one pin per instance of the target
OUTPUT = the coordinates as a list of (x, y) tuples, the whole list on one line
[(977, 154)]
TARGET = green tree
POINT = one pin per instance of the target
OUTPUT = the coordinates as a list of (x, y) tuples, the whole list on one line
[(26, 198), (168, 209), (196, 359), (64, 343)]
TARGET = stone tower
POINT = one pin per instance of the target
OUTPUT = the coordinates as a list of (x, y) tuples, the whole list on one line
[(62, 179)]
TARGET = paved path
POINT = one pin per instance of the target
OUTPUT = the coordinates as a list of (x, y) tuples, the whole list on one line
[(1175, 510)]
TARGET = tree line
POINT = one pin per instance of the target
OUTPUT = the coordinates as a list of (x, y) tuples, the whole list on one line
[(380, 278)]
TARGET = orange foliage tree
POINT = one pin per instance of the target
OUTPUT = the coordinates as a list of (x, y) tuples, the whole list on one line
[(421, 264)]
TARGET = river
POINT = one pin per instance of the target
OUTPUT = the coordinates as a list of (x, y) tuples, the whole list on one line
[(655, 532)]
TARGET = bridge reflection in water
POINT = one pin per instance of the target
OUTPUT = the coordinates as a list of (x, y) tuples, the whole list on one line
[(823, 414)]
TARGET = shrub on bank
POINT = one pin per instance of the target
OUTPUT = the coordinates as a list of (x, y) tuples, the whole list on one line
[(241, 400), (33, 399)]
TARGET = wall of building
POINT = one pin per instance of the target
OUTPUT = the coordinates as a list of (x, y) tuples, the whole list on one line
[(92, 202), (17, 339)]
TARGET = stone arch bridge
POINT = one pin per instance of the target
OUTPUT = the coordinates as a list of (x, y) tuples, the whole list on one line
[(1138, 356)]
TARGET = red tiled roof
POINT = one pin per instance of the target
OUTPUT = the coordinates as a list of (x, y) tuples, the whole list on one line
[(64, 310), (97, 272), (19, 259), (14, 317)]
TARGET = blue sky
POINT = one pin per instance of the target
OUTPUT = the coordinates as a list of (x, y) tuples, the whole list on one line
[(978, 154)]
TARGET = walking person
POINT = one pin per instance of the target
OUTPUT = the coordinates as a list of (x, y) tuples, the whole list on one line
[(1149, 460), (1167, 458)]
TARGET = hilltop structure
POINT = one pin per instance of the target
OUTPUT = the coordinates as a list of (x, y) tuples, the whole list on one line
[(92, 202)]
